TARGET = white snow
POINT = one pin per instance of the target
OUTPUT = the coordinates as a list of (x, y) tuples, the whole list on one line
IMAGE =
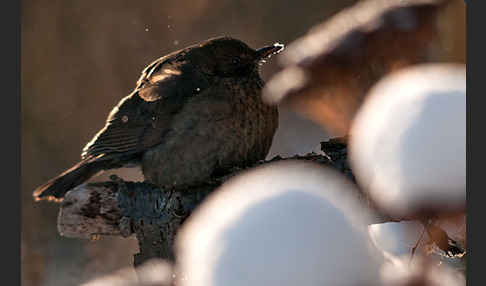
[(152, 272), (398, 238), (288, 223), (408, 141), (400, 271)]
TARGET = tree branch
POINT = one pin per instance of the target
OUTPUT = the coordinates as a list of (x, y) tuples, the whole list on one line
[(155, 214)]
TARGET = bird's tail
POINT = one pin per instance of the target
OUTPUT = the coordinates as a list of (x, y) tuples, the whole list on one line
[(56, 188)]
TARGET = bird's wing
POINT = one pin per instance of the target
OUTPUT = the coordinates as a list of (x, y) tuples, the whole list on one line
[(142, 118)]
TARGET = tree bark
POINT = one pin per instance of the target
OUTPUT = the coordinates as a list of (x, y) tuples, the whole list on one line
[(155, 214)]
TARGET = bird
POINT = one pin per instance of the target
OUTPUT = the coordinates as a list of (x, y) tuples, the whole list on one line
[(193, 113)]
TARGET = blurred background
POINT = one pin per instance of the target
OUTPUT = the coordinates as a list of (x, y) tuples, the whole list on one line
[(79, 58)]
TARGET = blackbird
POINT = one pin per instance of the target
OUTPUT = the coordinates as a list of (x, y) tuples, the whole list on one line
[(193, 112)]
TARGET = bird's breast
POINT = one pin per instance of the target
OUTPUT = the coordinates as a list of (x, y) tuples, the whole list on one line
[(255, 122), (223, 126)]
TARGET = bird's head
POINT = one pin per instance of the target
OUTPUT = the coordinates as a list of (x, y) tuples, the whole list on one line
[(228, 57)]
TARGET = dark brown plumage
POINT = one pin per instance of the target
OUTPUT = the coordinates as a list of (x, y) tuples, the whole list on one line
[(192, 113)]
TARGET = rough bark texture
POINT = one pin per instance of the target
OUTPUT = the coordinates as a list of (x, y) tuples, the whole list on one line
[(155, 214)]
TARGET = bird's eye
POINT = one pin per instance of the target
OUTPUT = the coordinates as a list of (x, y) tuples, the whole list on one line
[(235, 61)]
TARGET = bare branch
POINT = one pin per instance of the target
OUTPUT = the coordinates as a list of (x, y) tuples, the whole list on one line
[(155, 214)]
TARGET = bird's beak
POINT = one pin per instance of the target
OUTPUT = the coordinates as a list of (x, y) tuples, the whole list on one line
[(268, 51)]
